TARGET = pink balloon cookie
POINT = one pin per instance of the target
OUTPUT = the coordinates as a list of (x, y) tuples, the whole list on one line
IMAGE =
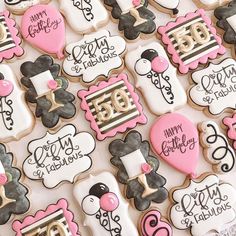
[(43, 26), (230, 123), (57, 219), (175, 139), (112, 107), (191, 40), (151, 224), (10, 41)]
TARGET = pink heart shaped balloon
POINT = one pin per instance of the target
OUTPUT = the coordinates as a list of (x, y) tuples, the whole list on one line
[(6, 88), (43, 26), (175, 139)]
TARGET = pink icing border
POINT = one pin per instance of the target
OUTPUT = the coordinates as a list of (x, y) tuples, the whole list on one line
[(18, 50), (61, 204), (160, 224), (184, 69), (141, 119)]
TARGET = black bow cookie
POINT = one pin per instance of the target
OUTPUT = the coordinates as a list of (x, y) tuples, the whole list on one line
[(48, 90), (138, 170)]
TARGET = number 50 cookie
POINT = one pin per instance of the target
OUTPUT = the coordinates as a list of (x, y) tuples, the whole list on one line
[(191, 40), (112, 107)]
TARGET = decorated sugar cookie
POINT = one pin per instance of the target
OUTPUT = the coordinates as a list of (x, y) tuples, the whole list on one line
[(133, 16), (47, 89), (175, 139), (230, 123), (59, 157), (167, 6), (105, 210), (13, 193), (57, 219), (191, 40), (156, 78), (203, 205), (43, 27), (152, 224), (12, 106), (217, 150), (215, 87), (10, 41), (210, 4), (95, 56), (90, 14), (226, 21), (112, 107), (138, 170), (20, 6)]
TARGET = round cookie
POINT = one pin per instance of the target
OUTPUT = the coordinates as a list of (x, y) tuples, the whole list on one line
[(210, 4)]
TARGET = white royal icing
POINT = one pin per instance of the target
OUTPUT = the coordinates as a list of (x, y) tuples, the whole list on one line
[(154, 96), (118, 219), (232, 21), (15, 118), (215, 87), (84, 16), (203, 206), (213, 2), (95, 55), (217, 149), (59, 157)]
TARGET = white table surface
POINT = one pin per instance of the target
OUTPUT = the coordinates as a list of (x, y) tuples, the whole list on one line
[(40, 197)]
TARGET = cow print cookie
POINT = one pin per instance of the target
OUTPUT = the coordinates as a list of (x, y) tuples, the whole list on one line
[(191, 40), (57, 219), (105, 210), (152, 224), (217, 150), (112, 107), (59, 157), (13, 193), (94, 57), (156, 78), (90, 14), (133, 16), (12, 106), (226, 16), (47, 89), (10, 41), (203, 205), (20, 6), (137, 169), (215, 88)]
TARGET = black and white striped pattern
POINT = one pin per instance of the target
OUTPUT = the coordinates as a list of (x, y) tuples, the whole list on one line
[(9, 42), (119, 117), (199, 50), (43, 223)]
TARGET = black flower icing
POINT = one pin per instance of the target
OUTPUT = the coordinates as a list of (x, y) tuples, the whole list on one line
[(49, 118), (132, 142), (222, 13), (127, 21), (14, 190)]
